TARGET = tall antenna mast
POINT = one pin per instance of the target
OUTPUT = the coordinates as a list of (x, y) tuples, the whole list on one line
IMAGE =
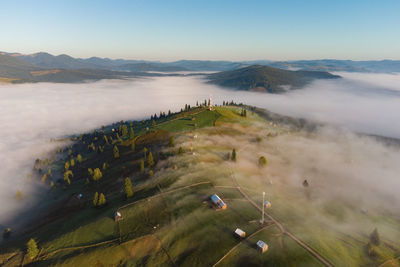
[(210, 105)]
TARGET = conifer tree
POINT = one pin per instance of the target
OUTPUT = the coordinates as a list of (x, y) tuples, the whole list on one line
[(133, 146), (180, 150), (18, 195), (79, 158), (151, 173), (51, 184), (102, 200), (151, 160), (153, 123), (116, 152), (72, 162), (374, 237), (262, 161), (171, 142), (104, 165), (142, 166), (97, 174), (128, 188), (131, 133), (49, 172), (106, 139), (66, 165), (169, 113), (233, 156), (145, 151), (90, 171), (44, 177), (124, 131), (95, 199), (32, 249)]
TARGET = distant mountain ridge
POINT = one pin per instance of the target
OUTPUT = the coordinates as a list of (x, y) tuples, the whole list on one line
[(266, 79), (17, 67)]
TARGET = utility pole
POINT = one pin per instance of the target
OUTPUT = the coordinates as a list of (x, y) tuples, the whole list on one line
[(262, 220)]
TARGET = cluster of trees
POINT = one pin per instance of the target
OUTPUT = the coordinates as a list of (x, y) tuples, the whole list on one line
[(227, 103), (96, 173), (150, 161), (243, 113), (99, 200)]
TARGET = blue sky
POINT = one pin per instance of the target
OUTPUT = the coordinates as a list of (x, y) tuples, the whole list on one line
[(230, 30)]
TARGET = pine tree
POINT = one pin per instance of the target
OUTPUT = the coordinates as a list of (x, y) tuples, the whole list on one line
[(233, 156), (106, 139), (142, 166), (262, 161), (124, 131), (151, 173), (18, 195), (44, 177), (96, 199), (72, 162), (90, 171), (133, 146), (116, 152), (171, 142), (51, 184), (66, 165), (104, 166), (180, 150), (153, 123), (374, 237), (128, 188), (151, 160), (144, 151), (32, 249), (131, 133), (102, 200), (169, 113), (97, 174), (79, 158)]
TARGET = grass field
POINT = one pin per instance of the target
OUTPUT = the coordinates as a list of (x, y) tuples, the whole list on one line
[(170, 220)]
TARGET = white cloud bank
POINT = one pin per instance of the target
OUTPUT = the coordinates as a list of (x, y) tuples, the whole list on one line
[(31, 114)]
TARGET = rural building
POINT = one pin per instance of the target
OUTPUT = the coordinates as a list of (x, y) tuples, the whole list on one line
[(217, 201), (262, 246), (117, 216), (267, 204), (240, 233)]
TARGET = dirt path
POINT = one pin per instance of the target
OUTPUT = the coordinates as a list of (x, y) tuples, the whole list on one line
[(394, 260), (163, 193), (279, 225)]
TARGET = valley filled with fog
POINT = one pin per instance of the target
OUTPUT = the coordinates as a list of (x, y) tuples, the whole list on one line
[(32, 114)]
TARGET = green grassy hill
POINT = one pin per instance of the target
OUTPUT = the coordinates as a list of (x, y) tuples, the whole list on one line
[(170, 220), (266, 79)]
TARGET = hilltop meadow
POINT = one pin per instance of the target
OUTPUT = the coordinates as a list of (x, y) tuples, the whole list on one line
[(159, 174)]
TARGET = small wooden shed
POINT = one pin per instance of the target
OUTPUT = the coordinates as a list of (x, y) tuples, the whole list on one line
[(262, 246), (217, 201), (117, 216), (240, 233)]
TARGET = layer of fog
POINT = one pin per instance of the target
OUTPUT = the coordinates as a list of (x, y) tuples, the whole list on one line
[(31, 114)]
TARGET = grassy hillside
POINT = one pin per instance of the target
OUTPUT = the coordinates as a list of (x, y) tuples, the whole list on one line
[(266, 79), (170, 221)]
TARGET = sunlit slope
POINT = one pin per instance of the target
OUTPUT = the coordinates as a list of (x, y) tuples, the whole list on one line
[(169, 220)]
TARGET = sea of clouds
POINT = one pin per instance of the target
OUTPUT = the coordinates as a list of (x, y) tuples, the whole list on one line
[(31, 114)]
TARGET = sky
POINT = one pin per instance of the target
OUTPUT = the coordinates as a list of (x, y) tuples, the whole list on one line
[(216, 30)]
